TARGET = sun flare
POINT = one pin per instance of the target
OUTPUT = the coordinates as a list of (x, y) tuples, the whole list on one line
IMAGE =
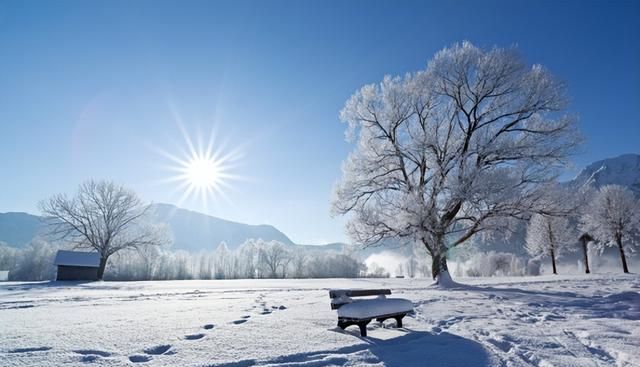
[(203, 171)]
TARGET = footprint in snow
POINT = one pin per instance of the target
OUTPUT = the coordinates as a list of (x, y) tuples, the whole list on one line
[(245, 316), (503, 345), (238, 322), (158, 349), (91, 355), (208, 326), (139, 358), (89, 358), (194, 336), (28, 350)]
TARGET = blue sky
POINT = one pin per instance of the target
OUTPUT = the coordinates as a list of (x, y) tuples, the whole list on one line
[(93, 89)]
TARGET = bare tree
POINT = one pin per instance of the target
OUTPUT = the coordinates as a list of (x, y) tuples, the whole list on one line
[(613, 218), (453, 151), (102, 216)]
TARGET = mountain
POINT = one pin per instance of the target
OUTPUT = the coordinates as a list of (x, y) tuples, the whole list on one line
[(194, 231), (18, 229), (191, 231), (335, 247), (623, 170)]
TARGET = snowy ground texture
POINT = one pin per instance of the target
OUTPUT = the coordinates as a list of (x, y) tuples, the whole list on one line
[(542, 321)]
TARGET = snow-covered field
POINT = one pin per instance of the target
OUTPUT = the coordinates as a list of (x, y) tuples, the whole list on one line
[(542, 321)]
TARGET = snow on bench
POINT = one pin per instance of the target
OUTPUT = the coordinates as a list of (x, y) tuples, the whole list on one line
[(361, 311)]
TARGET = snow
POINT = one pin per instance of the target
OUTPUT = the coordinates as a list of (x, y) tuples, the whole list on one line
[(369, 308), (77, 258), (525, 321), (444, 281)]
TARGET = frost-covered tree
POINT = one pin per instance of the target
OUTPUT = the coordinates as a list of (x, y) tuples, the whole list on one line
[(206, 266), (613, 219), (582, 199), (102, 216), (8, 257), (274, 256), (548, 236), (35, 262), (299, 262), (248, 255), (223, 261), (454, 151)]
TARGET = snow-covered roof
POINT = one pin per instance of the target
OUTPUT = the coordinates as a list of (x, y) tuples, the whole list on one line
[(77, 258)]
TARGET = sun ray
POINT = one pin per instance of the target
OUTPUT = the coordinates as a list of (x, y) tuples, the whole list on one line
[(203, 167)]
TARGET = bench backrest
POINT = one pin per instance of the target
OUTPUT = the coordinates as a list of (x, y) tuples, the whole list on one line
[(340, 297)]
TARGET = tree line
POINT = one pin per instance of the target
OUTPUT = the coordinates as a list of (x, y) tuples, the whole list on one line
[(254, 259), (608, 217)]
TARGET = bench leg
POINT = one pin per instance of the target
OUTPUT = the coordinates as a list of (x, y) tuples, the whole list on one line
[(399, 320), (363, 327), (361, 324)]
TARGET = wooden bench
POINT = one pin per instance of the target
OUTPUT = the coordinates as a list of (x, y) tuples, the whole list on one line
[(361, 312)]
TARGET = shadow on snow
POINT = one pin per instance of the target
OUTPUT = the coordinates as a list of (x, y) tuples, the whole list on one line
[(414, 348)]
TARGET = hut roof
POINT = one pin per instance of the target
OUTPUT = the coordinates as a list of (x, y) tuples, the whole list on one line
[(77, 258)]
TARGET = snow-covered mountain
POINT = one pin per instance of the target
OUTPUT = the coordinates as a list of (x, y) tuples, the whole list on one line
[(623, 170)]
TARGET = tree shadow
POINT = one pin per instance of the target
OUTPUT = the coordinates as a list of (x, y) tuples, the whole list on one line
[(412, 348), (622, 305)]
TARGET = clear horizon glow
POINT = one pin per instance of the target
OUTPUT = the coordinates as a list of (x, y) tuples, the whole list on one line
[(98, 89)]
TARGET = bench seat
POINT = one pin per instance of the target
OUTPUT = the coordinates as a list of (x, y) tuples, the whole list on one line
[(372, 308)]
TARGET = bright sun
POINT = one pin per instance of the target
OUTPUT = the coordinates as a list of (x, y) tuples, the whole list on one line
[(203, 171)]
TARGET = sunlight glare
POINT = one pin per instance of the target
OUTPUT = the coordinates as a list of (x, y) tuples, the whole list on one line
[(203, 169), (203, 172)]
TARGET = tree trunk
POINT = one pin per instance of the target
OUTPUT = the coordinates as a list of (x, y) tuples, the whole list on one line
[(622, 257), (586, 256), (553, 261), (103, 264), (438, 264)]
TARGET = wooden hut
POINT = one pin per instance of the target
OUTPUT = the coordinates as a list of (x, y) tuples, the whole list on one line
[(77, 265)]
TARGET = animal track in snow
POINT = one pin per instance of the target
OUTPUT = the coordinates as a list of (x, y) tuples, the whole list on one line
[(208, 326), (238, 322)]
